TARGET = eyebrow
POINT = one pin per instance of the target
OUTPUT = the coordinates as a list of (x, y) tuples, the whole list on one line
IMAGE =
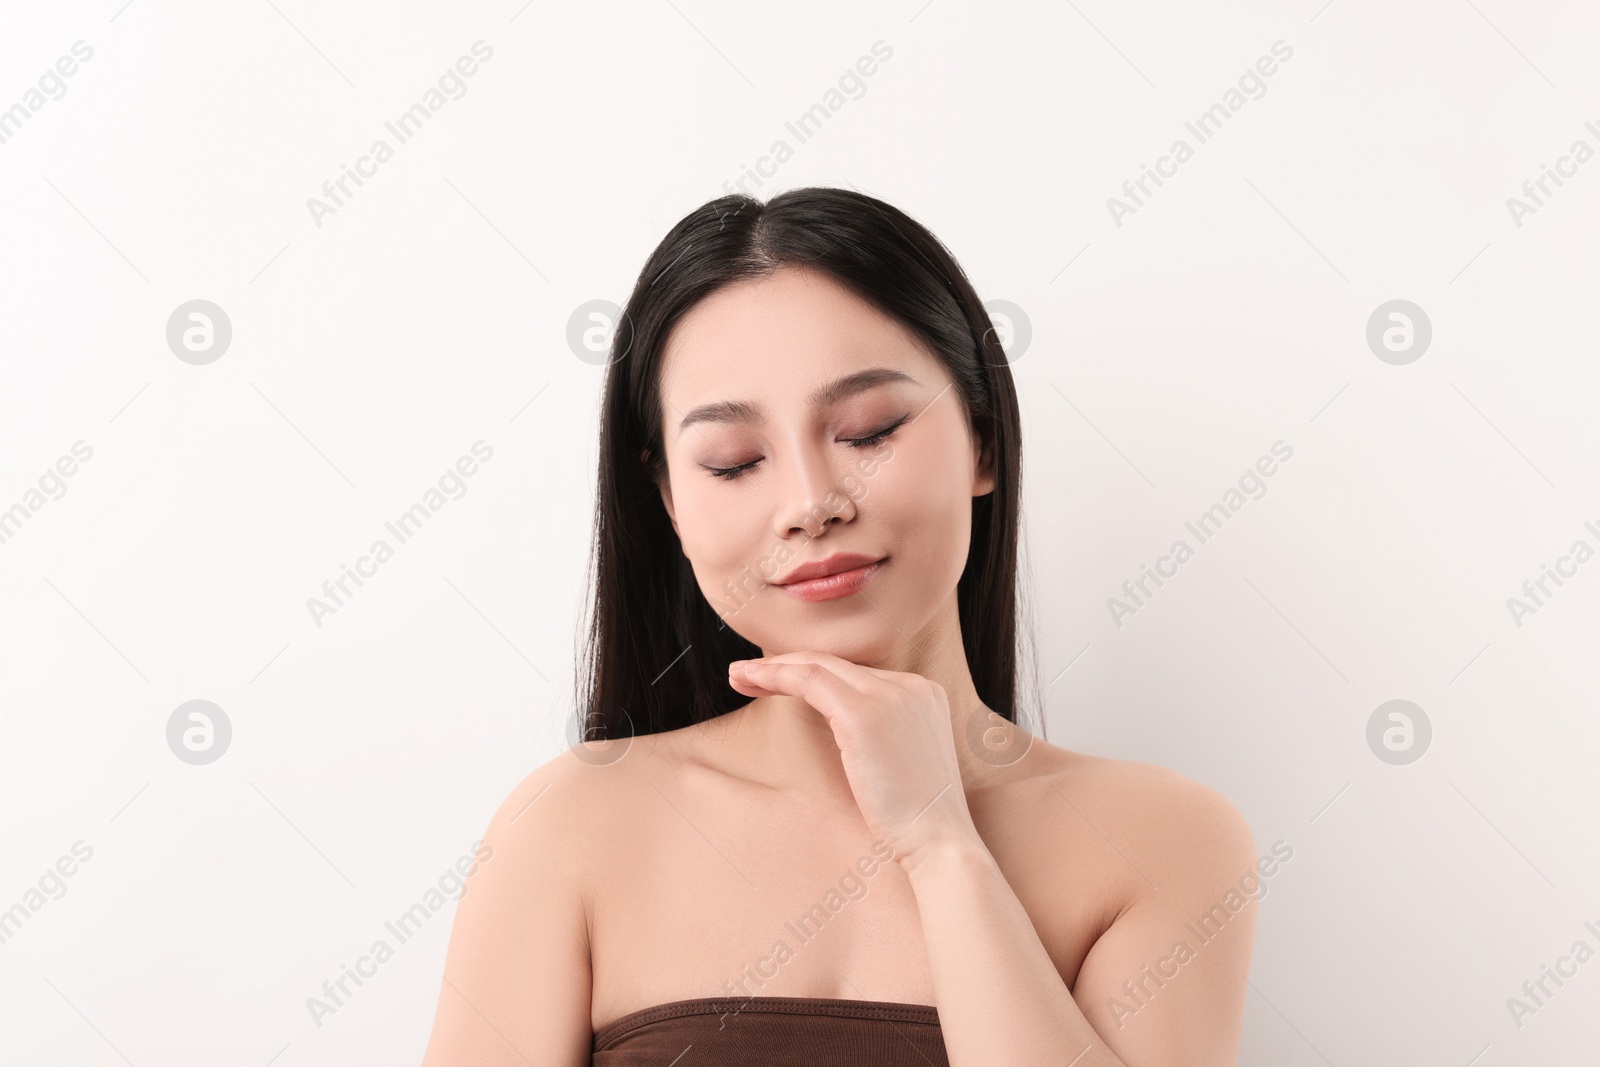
[(832, 393)]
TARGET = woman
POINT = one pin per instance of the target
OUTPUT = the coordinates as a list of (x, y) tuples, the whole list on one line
[(815, 832)]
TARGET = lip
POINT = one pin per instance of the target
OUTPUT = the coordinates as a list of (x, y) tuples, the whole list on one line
[(839, 575)]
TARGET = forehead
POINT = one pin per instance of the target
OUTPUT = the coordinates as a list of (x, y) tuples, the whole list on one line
[(782, 333)]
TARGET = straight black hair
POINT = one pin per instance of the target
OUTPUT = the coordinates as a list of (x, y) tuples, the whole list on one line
[(657, 652)]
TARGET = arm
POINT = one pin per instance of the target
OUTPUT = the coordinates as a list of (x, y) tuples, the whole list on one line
[(1001, 999), (516, 977), (1166, 983)]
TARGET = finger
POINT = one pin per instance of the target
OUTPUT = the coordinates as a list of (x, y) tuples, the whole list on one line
[(812, 682), (748, 688), (858, 676)]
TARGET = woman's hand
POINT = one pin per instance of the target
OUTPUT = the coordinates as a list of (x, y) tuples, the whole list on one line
[(895, 741)]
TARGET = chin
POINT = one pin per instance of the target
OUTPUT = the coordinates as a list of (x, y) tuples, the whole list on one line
[(857, 647)]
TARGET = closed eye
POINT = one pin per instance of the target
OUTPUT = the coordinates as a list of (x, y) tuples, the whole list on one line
[(730, 473)]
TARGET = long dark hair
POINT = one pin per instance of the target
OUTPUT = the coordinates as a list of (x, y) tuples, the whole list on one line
[(657, 652)]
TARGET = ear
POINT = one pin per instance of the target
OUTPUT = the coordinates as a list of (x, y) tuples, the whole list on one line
[(983, 478)]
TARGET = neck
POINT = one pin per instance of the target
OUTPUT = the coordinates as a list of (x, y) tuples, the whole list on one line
[(786, 743)]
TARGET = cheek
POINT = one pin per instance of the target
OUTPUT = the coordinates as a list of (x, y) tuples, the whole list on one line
[(718, 535), (928, 475), (924, 506)]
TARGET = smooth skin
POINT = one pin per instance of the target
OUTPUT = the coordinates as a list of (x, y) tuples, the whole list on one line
[(1033, 891)]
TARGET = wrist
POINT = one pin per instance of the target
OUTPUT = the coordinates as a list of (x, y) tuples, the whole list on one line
[(944, 855)]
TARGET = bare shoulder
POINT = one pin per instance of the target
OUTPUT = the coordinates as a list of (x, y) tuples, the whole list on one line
[(562, 787), (566, 811), (1190, 881), (518, 972), (1170, 827)]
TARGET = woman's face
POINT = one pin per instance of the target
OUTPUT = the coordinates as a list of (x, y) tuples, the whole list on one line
[(767, 469)]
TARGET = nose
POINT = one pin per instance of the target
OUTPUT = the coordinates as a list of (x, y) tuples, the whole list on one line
[(814, 502)]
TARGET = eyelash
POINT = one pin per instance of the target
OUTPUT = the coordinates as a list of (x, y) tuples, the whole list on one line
[(730, 473)]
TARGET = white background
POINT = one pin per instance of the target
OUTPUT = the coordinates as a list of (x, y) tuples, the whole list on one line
[(1167, 354)]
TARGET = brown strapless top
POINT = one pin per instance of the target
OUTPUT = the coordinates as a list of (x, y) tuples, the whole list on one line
[(773, 1032)]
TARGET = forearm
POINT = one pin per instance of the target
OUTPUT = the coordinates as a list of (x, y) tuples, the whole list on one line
[(999, 996)]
